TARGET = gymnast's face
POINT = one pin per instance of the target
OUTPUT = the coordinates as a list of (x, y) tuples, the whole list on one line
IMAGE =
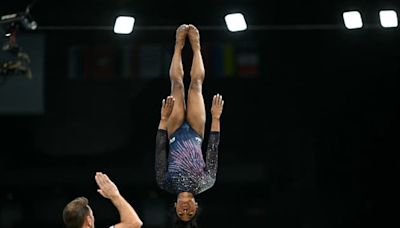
[(186, 207)]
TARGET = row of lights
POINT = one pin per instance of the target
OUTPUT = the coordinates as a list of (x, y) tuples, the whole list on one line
[(353, 19), (236, 22)]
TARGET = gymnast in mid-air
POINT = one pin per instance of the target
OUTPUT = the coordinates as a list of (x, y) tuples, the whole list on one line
[(179, 164)]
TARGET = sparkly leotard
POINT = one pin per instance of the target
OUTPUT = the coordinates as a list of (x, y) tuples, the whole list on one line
[(183, 169)]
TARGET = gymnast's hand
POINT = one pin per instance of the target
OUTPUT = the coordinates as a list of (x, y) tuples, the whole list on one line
[(167, 106), (107, 188), (217, 106)]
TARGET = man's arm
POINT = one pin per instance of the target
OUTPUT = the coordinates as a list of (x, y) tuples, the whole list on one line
[(128, 215)]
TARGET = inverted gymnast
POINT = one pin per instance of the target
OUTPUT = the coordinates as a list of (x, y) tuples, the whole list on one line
[(179, 164)]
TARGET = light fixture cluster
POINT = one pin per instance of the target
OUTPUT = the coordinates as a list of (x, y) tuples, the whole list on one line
[(353, 19), (236, 22)]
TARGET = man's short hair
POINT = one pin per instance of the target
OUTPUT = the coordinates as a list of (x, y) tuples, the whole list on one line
[(75, 212)]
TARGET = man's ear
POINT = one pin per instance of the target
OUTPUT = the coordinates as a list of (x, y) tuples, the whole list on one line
[(88, 221)]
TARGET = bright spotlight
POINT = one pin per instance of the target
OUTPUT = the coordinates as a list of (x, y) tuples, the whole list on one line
[(235, 22), (388, 18), (352, 20), (124, 24)]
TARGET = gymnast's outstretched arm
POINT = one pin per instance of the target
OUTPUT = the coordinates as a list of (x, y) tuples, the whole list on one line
[(162, 140)]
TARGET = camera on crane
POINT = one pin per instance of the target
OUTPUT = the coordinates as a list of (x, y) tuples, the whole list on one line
[(18, 63)]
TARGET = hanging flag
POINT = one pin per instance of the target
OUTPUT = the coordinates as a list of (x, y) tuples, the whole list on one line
[(75, 63), (217, 60), (229, 60), (166, 61), (150, 61), (126, 71), (248, 64), (99, 63)]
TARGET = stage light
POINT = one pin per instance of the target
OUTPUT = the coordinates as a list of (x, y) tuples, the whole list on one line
[(352, 20), (124, 24), (388, 18), (235, 22)]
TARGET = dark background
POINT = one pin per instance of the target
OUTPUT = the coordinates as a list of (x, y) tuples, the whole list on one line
[(309, 139)]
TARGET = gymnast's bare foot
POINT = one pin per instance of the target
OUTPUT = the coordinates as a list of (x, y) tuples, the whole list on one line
[(194, 37), (181, 33)]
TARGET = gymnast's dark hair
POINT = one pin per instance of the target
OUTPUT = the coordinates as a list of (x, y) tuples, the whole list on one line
[(178, 223)]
